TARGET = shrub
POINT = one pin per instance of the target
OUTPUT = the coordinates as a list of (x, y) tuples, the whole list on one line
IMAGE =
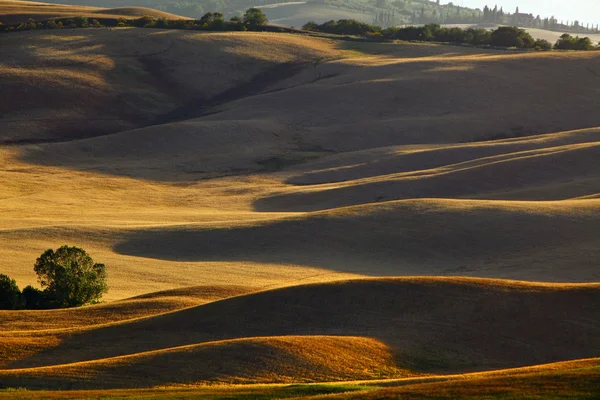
[(81, 22), (568, 42), (144, 22), (374, 36), (511, 36), (70, 277), (542, 44), (311, 26), (477, 37), (10, 295)]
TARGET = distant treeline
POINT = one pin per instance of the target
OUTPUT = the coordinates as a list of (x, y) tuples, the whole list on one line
[(399, 12), (505, 36), (253, 20)]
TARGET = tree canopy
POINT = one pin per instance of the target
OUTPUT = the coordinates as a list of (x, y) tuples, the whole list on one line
[(511, 36), (70, 277), (254, 18), (10, 295)]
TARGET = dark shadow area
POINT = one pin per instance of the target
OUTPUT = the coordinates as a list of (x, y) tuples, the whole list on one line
[(146, 72), (535, 177), (393, 160), (405, 238)]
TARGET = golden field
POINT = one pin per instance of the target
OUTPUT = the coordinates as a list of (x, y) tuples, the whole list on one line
[(16, 11), (395, 219)]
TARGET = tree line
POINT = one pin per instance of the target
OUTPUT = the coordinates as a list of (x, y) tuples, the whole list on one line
[(505, 36), (499, 16), (252, 20), (387, 13)]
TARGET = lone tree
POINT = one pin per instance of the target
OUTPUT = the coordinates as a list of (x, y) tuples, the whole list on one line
[(255, 18), (10, 295), (70, 277)]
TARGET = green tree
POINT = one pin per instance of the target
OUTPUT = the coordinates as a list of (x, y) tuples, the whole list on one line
[(255, 18), (568, 42), (10, 295), (70, 277), (511, 36), (542, 44)]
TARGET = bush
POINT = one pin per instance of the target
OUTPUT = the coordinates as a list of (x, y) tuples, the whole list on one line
[(144, 22), (311, 26), (542, 44), (10, 295), (376, 36), (477, 37), (511, 36), (70, 277), (80, 22), (568, 42)]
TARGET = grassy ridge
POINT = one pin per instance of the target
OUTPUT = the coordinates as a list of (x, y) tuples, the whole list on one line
[(430, 324), (15, 12), (289, 359), (567, 380)]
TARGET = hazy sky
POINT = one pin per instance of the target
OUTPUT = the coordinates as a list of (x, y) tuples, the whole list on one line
[(582, 10)]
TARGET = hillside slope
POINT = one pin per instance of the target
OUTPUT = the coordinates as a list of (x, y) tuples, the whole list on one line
[(15, 11), (430, 324), (307, 125), (403, 94), (321, 200), (257, 360), (543, 241), (130, 77)]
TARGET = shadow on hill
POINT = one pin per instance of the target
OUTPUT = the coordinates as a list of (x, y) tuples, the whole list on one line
[(559, 173), (393, 160), (519, 240), (341, 107), (131, 78), (288, 359), (431, 325)]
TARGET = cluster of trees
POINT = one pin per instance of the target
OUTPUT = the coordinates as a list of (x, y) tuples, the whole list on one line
[(528, 20), (387, 13), (75, 22), (505, 36), (568, 42), (68, 277), (253, 19)]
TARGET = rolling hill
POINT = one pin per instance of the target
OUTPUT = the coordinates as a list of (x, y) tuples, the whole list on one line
[(457, 313), (285, 208), (16, 11)]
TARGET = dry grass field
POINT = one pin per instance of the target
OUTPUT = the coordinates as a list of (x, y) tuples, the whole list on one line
[(16, 11), (277, 211)]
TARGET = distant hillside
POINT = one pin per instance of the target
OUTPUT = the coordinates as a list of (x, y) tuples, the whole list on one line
[(13, 12), (382, 12)]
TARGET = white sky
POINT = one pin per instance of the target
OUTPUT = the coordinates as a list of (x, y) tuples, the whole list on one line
[(583, 10)]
